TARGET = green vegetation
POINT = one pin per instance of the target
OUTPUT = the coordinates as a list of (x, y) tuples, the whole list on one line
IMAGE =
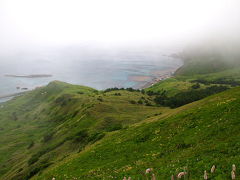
[(75, 132), (183, 83), (186, 97), (195, 137), (205, 64), (49, 124), (172, 86)]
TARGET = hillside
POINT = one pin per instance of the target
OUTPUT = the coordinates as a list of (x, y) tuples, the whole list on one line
[(209, 57), (187, 122), (68, 131), (206, 64), (48, 124), (203, 71), (194, 137), (182, 83)]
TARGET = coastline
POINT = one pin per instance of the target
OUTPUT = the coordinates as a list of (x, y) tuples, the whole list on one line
[(143, 80), (11, 95), (162, 75)]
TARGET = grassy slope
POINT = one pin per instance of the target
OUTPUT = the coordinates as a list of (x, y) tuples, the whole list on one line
[(194, 136), (166, 141), (204, 61), (51, 123), (180, 83), (69, 131)]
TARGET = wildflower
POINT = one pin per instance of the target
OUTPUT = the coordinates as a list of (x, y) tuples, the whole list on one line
[(233, 175), (124, 178), (53, 178), (153, 177), (213, 169), (129, 178), (205, 176), (234, 167), (148, 170), (181, 174)]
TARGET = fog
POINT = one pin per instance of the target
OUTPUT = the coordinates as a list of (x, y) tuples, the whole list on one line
[(44, 24), (110, 42)]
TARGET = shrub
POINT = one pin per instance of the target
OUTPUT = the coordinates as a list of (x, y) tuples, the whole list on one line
[(20, 169), (96, 137), (222, 81), (183, 146), (81, 136), (132, 102), (114, 127), (63, 100), (110, 124), (127, 89), (100, 99), (148, 104), (196, 86), (37, 169), (117, 94), (112, 89), (140, 101), (75, 113), (33, 172), (48, 137), (34, 159), (30, 145), (14, 116), (142, 138), (183, 98), (130, 89)]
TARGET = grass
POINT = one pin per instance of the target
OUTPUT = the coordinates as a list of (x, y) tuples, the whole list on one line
[(42, 127), (74, 138), (181, 83), (76, 132), (196, 137), (172, 86)]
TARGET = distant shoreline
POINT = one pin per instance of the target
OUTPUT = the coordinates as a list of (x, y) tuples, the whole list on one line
[(29, 76), (160, 76), (12, 95), (163, 74), (145, 81)]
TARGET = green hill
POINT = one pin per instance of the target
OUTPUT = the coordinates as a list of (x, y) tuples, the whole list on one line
[(209, 57), (184, 82), (208, 64), (67, 131), (194, 137), (75, 132), (48, 124)]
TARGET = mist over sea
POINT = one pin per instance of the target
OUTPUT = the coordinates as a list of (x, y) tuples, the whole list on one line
[(99, 70)]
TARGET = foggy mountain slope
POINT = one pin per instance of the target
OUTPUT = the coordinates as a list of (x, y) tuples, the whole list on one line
[(209, 57), (205, 65)]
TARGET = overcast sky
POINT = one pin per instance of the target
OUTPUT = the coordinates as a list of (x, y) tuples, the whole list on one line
[(24, 23)]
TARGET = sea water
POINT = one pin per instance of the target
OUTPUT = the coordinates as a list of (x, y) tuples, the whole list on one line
[(97, 71)]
